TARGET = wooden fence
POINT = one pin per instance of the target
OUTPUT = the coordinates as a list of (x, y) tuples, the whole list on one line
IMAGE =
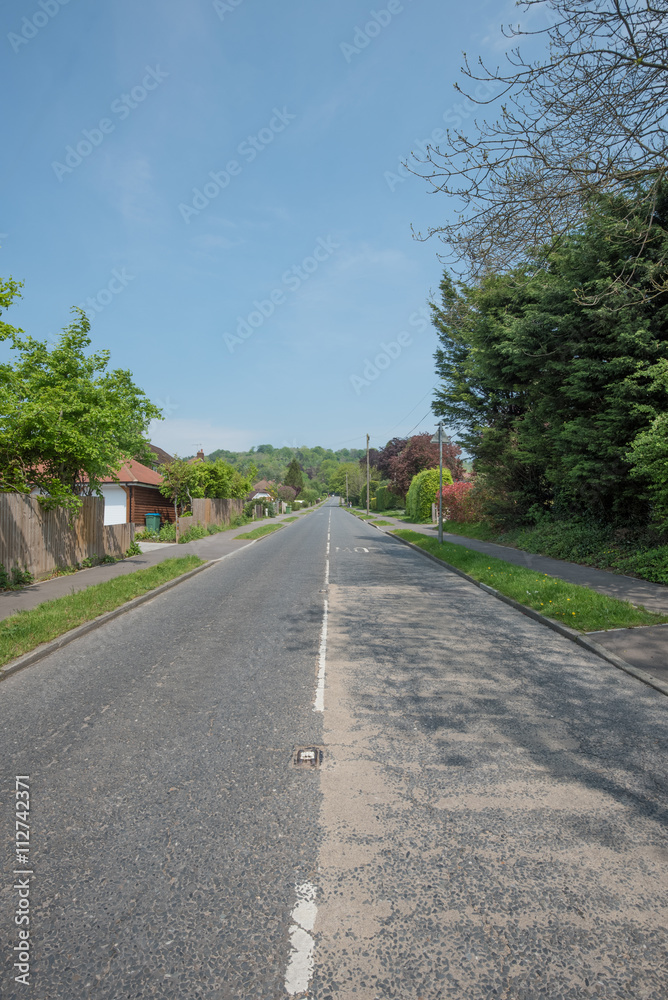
[(210, 511), (42, 540)]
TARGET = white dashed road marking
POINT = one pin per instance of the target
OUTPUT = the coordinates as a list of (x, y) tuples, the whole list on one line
[(300, 964)]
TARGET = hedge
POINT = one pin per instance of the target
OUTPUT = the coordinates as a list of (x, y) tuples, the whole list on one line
[(386, 500), (422, 493)]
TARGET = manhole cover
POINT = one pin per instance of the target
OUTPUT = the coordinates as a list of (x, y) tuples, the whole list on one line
[(307, 757)]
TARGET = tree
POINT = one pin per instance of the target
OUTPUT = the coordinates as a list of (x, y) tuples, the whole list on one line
[(549, 393), (221, 480), (386, 454), (67, 422), (586, 119), (184, 481), (649, 464), (294, 477), (421, 453), (286, 493), (356, 478), (179, 479)]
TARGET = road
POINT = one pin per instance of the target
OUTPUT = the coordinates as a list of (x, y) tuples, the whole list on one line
[(488, 820)]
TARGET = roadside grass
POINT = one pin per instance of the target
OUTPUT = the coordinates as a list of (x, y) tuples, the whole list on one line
[(286, 519), (381, 523), (578, 607), (478, 530), (265, 529), (27, 629), (640, 554)]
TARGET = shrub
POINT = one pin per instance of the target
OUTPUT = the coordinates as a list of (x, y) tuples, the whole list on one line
[(422, 493), (15, 578), (386, 500), (457, 502), (134, 550), (167, 533), (193, 534), (146, 536)]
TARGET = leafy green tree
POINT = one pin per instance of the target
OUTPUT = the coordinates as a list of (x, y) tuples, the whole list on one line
[(184, 481), (67, 421), (179, 480), (649, 464), (294, 477), (550, 390), (221, 480), (356, 481)]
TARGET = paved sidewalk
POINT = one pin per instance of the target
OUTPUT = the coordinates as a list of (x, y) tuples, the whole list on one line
[(211, 547), (644, 647)]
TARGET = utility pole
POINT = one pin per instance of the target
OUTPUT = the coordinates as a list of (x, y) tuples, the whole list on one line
[(439, 438), (367, 473), (440, 483)]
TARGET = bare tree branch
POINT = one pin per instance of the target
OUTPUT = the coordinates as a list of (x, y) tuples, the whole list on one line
[(588, 118)]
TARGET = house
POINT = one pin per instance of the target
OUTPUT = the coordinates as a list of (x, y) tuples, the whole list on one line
[(133, 494), (161, 457), (262, 491)]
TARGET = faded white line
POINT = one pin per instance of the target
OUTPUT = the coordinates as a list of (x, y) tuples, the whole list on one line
[(300, 964), (319, 703)]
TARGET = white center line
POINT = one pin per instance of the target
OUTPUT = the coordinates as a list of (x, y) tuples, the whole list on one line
[(300, 965), (319, 703)]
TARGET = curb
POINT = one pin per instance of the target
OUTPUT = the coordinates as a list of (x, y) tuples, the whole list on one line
[(63, 640), (567, 633)]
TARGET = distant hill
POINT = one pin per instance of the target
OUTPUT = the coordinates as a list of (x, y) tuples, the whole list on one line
[(272, 463)]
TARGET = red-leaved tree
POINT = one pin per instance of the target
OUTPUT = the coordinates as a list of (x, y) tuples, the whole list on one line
[(286, 493), (422, 453), (457, 504)]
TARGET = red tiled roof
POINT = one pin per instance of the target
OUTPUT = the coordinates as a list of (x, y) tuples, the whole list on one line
[(135, 472)]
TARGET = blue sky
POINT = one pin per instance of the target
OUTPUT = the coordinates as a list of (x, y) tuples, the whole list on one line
[(229, 210)]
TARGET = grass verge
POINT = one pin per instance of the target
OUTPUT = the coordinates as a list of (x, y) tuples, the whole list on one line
[(578, 607), (478, 530), (265, 529), (382, 523), (286, 519), (27, 629), (642, 555)]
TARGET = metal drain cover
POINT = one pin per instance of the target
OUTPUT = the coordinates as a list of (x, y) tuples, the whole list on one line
[(307, 757)]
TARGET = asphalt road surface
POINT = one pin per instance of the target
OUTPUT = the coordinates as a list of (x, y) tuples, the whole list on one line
[(488, 817)]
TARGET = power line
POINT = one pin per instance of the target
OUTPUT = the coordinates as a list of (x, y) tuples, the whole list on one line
[(413, 410), (419, 422)]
